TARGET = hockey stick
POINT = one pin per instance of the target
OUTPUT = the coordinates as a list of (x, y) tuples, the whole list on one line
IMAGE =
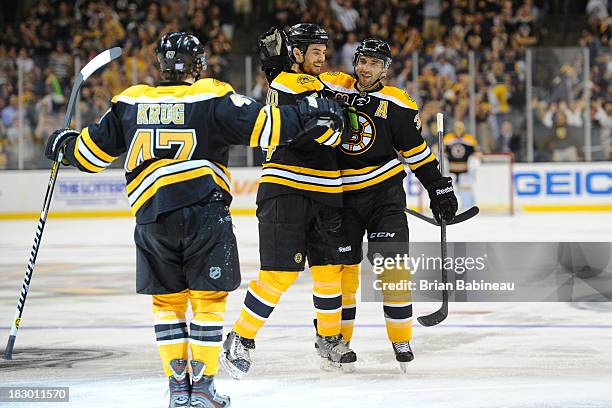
[(439, 315), (92, 66), (464, 216)]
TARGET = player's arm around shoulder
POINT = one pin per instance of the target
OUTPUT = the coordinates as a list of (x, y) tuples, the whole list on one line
[(337, 79), (247, 122)]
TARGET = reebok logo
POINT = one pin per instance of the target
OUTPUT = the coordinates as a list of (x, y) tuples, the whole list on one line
[(344, 249), (444, 191)]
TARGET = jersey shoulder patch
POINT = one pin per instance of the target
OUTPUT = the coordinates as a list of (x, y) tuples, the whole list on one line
[(293, 83), (338, 80), (398, 97)]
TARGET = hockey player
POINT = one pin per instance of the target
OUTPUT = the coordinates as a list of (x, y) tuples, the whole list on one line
[(374, 199), (462, 152), (176, 137), (298, 209)]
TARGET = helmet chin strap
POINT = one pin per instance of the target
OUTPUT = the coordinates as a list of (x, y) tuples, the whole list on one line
[(374, 84)]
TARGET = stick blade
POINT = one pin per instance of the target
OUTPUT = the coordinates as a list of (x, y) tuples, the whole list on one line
[(433, 319), (100, 60), (464, 216), (8, 352)]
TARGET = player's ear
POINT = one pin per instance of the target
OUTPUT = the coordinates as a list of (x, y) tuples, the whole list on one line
[(299, 57)]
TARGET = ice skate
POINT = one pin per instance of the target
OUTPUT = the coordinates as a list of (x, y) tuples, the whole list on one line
[(403, 354), (235, 357), (203, 393), (179, 384), (335, 353)]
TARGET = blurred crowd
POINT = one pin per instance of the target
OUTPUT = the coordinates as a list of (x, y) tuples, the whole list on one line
[(54, 33), (431, 41)]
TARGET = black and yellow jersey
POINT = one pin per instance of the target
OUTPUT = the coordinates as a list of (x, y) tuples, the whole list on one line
[(389, 126), (176, 137), (303, 167), (458, 151)]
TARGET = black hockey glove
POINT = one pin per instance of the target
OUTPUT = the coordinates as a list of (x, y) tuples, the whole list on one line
[(442, 200), (274, 50), (319, 114), (57, 141)]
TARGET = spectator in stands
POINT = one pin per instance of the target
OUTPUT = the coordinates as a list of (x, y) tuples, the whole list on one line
[(345, 13), (560, 143), (347, 52), (509, 142)]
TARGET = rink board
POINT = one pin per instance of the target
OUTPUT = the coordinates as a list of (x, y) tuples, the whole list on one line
[(540, 187)]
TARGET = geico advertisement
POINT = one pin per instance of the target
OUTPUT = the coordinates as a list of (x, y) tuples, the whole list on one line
[(571, 183)]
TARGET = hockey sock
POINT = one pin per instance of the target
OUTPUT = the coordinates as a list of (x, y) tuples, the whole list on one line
[(327, 298), (397, 305), (206, 329), (350, 283), (262, 297), (170, 327)]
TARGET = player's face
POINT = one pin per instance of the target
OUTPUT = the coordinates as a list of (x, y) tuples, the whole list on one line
[(314, 59), (369, 70)]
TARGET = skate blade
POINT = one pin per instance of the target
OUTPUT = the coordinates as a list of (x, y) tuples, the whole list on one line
[(403, 366), (331, 366), (232, 371)]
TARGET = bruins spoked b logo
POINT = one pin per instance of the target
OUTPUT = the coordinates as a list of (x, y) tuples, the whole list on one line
[(363, 138)]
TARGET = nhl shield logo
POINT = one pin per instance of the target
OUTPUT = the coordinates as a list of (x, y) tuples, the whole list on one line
[(214, 272), (298, 258), (170, 54)]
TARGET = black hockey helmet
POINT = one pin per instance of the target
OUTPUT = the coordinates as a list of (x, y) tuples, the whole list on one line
[(373, 47), (303, 34), (180, 54)]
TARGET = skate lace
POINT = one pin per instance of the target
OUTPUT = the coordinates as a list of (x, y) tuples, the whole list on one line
[(402, 347), (177, 386), (238, 349)]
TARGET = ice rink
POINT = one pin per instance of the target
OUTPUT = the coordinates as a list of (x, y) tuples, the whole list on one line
[(85, 328)]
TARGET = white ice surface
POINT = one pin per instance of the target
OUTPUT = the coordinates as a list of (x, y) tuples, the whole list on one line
[(484, 355)]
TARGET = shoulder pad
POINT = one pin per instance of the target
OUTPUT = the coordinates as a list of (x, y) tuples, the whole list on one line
[(338, 81), (132, 92), (210, 86), (449, 137), (203, 89), (470, 139), (293, 83), (397, 96)]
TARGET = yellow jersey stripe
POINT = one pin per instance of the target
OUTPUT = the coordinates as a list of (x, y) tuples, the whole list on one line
[(257, 128), (378, 179), (173, 179), (415, 150), (148, 170), (304, 170), (203, 89), (276, 127), (428, 159), (301, 186), (83, 161), (356, 172), (100, 154), (325, 136)]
